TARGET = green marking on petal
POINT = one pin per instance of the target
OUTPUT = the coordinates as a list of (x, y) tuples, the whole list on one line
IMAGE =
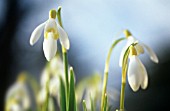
[(55, 32)]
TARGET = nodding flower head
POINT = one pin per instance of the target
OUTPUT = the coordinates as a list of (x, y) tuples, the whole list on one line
[(139, 48), (17, 97), (52, 32), (137, 74)]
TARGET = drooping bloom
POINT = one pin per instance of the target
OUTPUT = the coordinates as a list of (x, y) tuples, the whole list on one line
[(91, 88), (137, 74), (50, 76), (52, 32), (17, 98), (139, 48)]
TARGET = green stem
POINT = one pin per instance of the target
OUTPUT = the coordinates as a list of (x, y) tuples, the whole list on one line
[(47, 97), (105, 104), (124, 72), (106, 71), (122, 96), (65, 59)]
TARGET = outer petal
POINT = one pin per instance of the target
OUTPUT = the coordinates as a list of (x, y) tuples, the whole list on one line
[(37, 33), (51, 23), (144, 82), (49, 47), (63, 37), (16, 107), (42, 95), (134, 76), (45, 76), (139, 49), (16, 89), (130, 40), (152, 54), (54, 86)]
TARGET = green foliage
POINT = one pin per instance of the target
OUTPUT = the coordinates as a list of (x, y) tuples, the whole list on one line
[(72, 97)]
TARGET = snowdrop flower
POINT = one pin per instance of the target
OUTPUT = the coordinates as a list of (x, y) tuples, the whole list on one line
[(93, 88), (42, 95), (17, 98), (52, 80), (50, 76), (137, 74), (52, 32), (139, 48)]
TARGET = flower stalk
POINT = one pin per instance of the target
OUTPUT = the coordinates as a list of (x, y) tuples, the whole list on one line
[(47, 97), (124, 72), (106, 71), (65, 58)]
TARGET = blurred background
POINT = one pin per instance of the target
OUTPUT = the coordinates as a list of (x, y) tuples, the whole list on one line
[(92, 26)]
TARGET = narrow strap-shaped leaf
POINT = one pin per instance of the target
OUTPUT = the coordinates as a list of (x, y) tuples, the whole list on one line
[(62, 96), (92, 103), (84, 106), (72, 97), (35, 87), (65, 59)]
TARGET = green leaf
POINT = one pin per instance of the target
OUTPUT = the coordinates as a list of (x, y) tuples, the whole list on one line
[(84, 106), (91, 81), (62, 96), (72, 97), (92, 103)]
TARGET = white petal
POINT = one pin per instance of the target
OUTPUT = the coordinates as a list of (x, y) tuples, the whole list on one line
[(134, 77), (54, 86), (139, 49), (130, 40), (15, 89), (42, 95), (152, 54), (63, 37), (44, 77), (143, 71), (37, 33), (26, 102), (16, 107), (50, 47), (50, 23)]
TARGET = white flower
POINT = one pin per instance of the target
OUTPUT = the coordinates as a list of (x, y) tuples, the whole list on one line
[(92, 87), (52, 32), (52, 80), (17, 97), (139, 48), (14, 107), (137, 74), (50, 76), (42, 95)]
